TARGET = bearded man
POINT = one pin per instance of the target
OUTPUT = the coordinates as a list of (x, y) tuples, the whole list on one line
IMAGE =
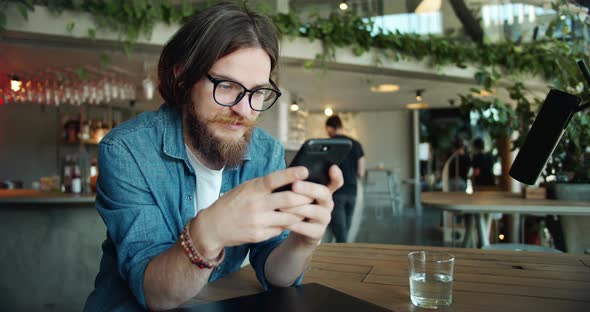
[(187, 191)]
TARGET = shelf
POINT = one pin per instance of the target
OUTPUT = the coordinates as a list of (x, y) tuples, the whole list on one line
[(85, 142)]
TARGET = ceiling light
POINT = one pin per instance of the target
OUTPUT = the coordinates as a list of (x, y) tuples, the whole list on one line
[(484, 93), (428, 6), (343, 6), (387, 87), (294, 107), (15, 83), (419, 95), (328, 111), (419, 105)]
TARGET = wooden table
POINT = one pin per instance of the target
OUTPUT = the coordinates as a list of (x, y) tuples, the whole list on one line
[(481, 204), (484, 280)]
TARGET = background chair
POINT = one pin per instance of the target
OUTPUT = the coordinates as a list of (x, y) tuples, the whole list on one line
[(383, 186)]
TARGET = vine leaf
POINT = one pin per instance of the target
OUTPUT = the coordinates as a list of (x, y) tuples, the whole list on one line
[(2, 21), (23, 10), (105, 60), (70, 27), (92, 33), (81, 73)]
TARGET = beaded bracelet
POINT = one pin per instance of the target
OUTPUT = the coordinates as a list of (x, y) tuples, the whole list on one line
[(193, 255)]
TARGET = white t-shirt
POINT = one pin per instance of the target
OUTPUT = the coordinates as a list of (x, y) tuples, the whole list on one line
[(208, 182)]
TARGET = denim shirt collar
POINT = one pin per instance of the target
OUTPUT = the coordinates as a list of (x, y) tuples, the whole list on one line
[(173, 144)]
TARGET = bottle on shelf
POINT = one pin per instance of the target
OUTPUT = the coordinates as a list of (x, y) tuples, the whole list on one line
[(67, 178), (98, 132), (93, 175), (84, 135), (76, 179), (84, 166)]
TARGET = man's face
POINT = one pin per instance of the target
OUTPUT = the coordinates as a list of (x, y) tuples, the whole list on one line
[(331, 131), (221, 134)]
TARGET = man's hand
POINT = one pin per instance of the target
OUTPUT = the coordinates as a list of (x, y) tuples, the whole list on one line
[(251, 213), (316, 215)]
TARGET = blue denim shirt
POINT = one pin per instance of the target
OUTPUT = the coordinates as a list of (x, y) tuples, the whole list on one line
[(145, 197)]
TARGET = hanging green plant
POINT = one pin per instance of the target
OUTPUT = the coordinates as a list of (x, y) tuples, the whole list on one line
[(132, 19)]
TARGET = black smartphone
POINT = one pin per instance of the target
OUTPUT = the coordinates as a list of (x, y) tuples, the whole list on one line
[(317, 155)]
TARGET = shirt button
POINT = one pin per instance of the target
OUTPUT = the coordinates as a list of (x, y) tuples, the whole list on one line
[(190, 197)]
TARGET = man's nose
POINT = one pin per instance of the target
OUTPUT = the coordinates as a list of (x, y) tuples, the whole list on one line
[(243, 108)]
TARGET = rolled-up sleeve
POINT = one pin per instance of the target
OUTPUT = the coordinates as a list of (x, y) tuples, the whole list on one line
[(134, 221)]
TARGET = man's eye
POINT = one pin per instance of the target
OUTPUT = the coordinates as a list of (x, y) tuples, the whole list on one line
[(227, 85)]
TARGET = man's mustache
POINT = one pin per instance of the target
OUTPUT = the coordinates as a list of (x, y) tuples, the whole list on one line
[(232, 120)]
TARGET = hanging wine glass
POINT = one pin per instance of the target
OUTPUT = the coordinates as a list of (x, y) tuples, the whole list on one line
[(28, 91), (57, 94), (148, 88), (85, 93), (100, 95), (48, 95), (128, 93), (107, 91), (77, 98), (39, 93), (94, 94), (115, 89), (67, 97)]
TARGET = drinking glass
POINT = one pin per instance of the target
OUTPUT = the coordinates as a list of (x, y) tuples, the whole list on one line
[(431, 278)]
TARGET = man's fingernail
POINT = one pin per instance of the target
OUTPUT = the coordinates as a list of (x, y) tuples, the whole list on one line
[(301, 173)]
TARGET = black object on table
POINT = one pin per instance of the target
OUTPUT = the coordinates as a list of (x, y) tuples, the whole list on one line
[(304, 298)]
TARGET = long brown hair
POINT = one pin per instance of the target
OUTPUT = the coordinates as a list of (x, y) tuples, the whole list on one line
[(208, 36)]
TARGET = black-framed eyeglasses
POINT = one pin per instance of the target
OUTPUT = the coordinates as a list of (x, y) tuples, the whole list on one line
[(228, 93)]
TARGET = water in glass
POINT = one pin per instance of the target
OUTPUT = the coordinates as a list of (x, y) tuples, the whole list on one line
[(431, 290)]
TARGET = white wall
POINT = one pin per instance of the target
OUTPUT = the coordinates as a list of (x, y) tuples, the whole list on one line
[(28, 142), (269, 121), (386, 138)]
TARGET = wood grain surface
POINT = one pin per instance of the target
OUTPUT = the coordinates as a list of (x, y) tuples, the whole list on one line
[(484, 280), (502, 202)]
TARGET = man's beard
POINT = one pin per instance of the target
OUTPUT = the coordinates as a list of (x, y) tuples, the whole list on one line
[(218, 151)]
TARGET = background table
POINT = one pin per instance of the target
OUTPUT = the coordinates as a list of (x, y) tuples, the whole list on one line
[(481, 204), (484, 280)]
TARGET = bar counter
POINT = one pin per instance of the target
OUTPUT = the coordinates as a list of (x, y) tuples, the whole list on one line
[(26, 196), (51, 249)]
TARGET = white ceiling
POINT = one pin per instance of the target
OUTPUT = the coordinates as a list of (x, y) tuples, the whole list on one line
[(349, 90)]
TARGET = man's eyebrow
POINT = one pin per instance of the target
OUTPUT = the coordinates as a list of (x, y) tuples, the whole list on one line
[(264, 85)]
